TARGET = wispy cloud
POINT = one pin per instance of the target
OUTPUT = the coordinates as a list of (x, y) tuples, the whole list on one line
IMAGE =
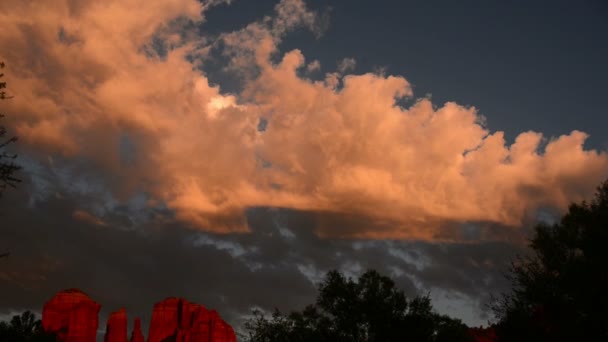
[(347, 64)]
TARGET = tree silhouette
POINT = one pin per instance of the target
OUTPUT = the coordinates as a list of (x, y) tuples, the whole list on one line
[(24, 328), (370, 309), (7, 164), (559, 292)]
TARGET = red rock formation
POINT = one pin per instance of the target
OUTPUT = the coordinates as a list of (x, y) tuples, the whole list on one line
[(137, 336), (221, 331), (483, 334), (116, 328), (72, 316), (164, 320), (179, 320)]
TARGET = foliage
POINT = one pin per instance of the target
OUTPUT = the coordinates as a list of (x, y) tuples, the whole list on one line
[(7, 165), (24, 328), (369, 309), (559, 293)]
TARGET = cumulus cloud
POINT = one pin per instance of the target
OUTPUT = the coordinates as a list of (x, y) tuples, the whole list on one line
[(248, 47), (85, 81)]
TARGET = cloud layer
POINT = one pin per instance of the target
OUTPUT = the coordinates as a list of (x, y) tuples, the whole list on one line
[(278, 264), (119, 85)]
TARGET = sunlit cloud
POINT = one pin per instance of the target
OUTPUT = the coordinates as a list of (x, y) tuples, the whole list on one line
[(81, 215), (84, 77)]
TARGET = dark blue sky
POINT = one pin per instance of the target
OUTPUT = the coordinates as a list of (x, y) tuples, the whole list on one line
[(525, 65)]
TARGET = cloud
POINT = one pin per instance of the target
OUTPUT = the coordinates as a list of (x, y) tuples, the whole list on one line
[(51, 251), (313, 66), (247, 48), (134, 267), (346, 64), (84, 216), (86, 80)]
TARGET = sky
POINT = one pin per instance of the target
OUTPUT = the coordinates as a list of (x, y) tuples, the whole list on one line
[(233, 152)]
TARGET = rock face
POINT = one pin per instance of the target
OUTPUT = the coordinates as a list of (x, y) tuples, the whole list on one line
[(483, 334), (72, 316), (116, 328), (176, 319), (137, 336)]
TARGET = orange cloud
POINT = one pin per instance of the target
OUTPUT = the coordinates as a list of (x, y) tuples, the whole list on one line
[(82, 80), (87, 217)]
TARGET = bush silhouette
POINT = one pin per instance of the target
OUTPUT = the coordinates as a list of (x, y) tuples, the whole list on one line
[(24, 328), (370, 309)]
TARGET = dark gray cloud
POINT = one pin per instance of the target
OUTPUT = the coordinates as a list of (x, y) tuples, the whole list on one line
[(56, 243)]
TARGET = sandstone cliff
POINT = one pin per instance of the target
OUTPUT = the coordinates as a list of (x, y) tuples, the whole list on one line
[(116, 328), (179, 320), (137, 336), (73, 316)]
